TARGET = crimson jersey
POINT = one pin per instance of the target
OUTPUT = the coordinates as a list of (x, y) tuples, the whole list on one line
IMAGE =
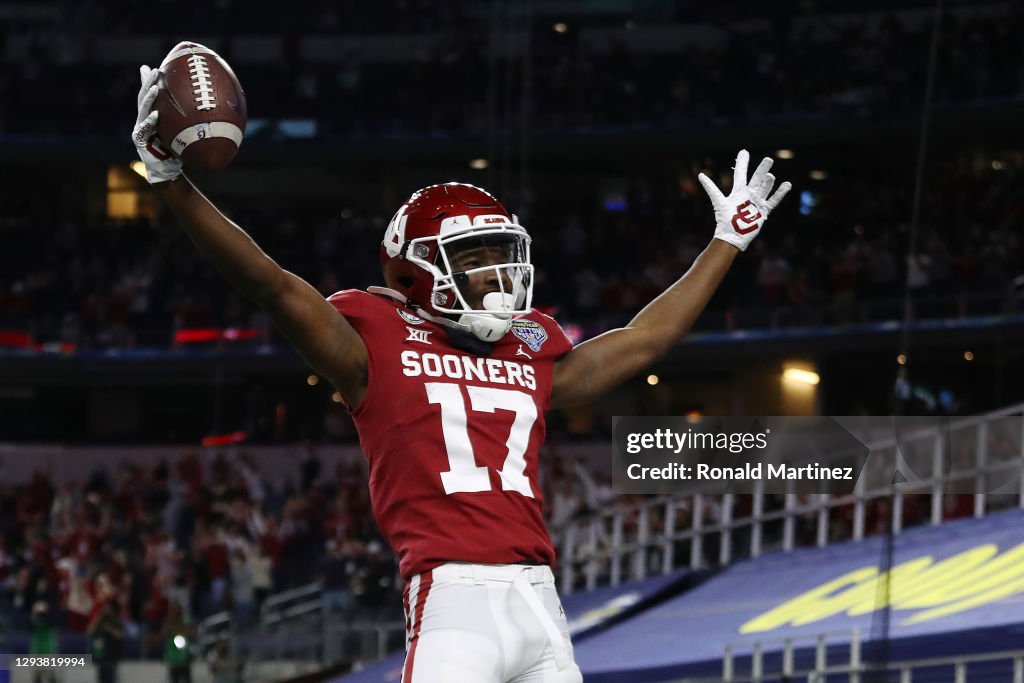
[(452, 437)]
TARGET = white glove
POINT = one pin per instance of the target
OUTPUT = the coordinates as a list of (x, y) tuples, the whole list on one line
[(161, 165), (739, 216)]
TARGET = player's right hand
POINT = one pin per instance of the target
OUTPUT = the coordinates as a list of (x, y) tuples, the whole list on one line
[(161, 165)]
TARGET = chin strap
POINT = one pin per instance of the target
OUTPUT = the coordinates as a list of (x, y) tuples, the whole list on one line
[(473, 332), (483, 326), (468, 342), (495, 321)]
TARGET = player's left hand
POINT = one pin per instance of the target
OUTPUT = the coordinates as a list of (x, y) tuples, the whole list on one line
[(739, 216)]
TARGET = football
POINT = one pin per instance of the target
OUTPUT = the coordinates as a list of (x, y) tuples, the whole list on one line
[(202, 107)]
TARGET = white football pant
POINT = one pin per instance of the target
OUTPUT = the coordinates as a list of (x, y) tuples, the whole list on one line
[(478, 623)]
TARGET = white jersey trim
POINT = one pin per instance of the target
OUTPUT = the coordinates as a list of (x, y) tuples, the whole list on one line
[(414, 592)]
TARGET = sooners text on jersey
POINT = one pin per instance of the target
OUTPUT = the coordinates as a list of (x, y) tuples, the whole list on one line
[(452, 437)]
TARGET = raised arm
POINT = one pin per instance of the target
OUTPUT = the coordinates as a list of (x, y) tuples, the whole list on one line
[(602, 363), (323, 336)]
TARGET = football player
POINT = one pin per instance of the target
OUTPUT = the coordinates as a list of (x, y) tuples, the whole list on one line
[(448, 372)]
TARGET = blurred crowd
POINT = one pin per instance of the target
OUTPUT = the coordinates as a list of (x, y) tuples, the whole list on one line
[(180, 541), (838, 251), (788, 70), (152, 547)]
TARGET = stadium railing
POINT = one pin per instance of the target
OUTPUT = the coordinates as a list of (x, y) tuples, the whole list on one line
[(1002, 667), (789, 646), (980, 455), (298, 626), (995, 667)]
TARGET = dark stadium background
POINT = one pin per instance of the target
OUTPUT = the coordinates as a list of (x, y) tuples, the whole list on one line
[(590, 120)]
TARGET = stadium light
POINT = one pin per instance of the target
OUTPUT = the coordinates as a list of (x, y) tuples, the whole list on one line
[(818, 175), (968, 356), (560, 27), (652, 380), (901, 359), (336, 397), (784, 153), (312, 380), (478, 164), (801, 376), (139, 168)]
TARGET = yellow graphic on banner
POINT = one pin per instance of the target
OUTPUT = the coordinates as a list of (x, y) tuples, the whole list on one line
[(975, 577)]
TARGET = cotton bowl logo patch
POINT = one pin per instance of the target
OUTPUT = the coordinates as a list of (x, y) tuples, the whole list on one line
[(410, 318), (530, 332)]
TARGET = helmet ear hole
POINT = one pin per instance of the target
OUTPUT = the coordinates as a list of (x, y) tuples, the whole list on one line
[(406, 281)]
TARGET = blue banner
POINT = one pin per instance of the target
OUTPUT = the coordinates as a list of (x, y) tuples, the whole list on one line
[(944, 580)]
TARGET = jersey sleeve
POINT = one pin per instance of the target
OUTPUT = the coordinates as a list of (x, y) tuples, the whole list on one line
[(560, 343), (362, 311), (354, 304)]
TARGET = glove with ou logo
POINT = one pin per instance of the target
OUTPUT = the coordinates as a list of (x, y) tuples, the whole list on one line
[(739, 216), (161, 165)]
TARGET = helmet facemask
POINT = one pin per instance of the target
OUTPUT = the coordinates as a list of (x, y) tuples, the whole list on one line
[(501, 250)]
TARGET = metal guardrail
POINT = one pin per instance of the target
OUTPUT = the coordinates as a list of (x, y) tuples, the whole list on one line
[(294, 625), (213, 629), (277, 609), (958, 666), (758, 648), (291, 603), (956, 671), (631, 541), (371, 640)]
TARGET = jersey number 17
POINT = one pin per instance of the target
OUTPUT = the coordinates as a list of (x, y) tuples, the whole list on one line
[(464, 475)]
